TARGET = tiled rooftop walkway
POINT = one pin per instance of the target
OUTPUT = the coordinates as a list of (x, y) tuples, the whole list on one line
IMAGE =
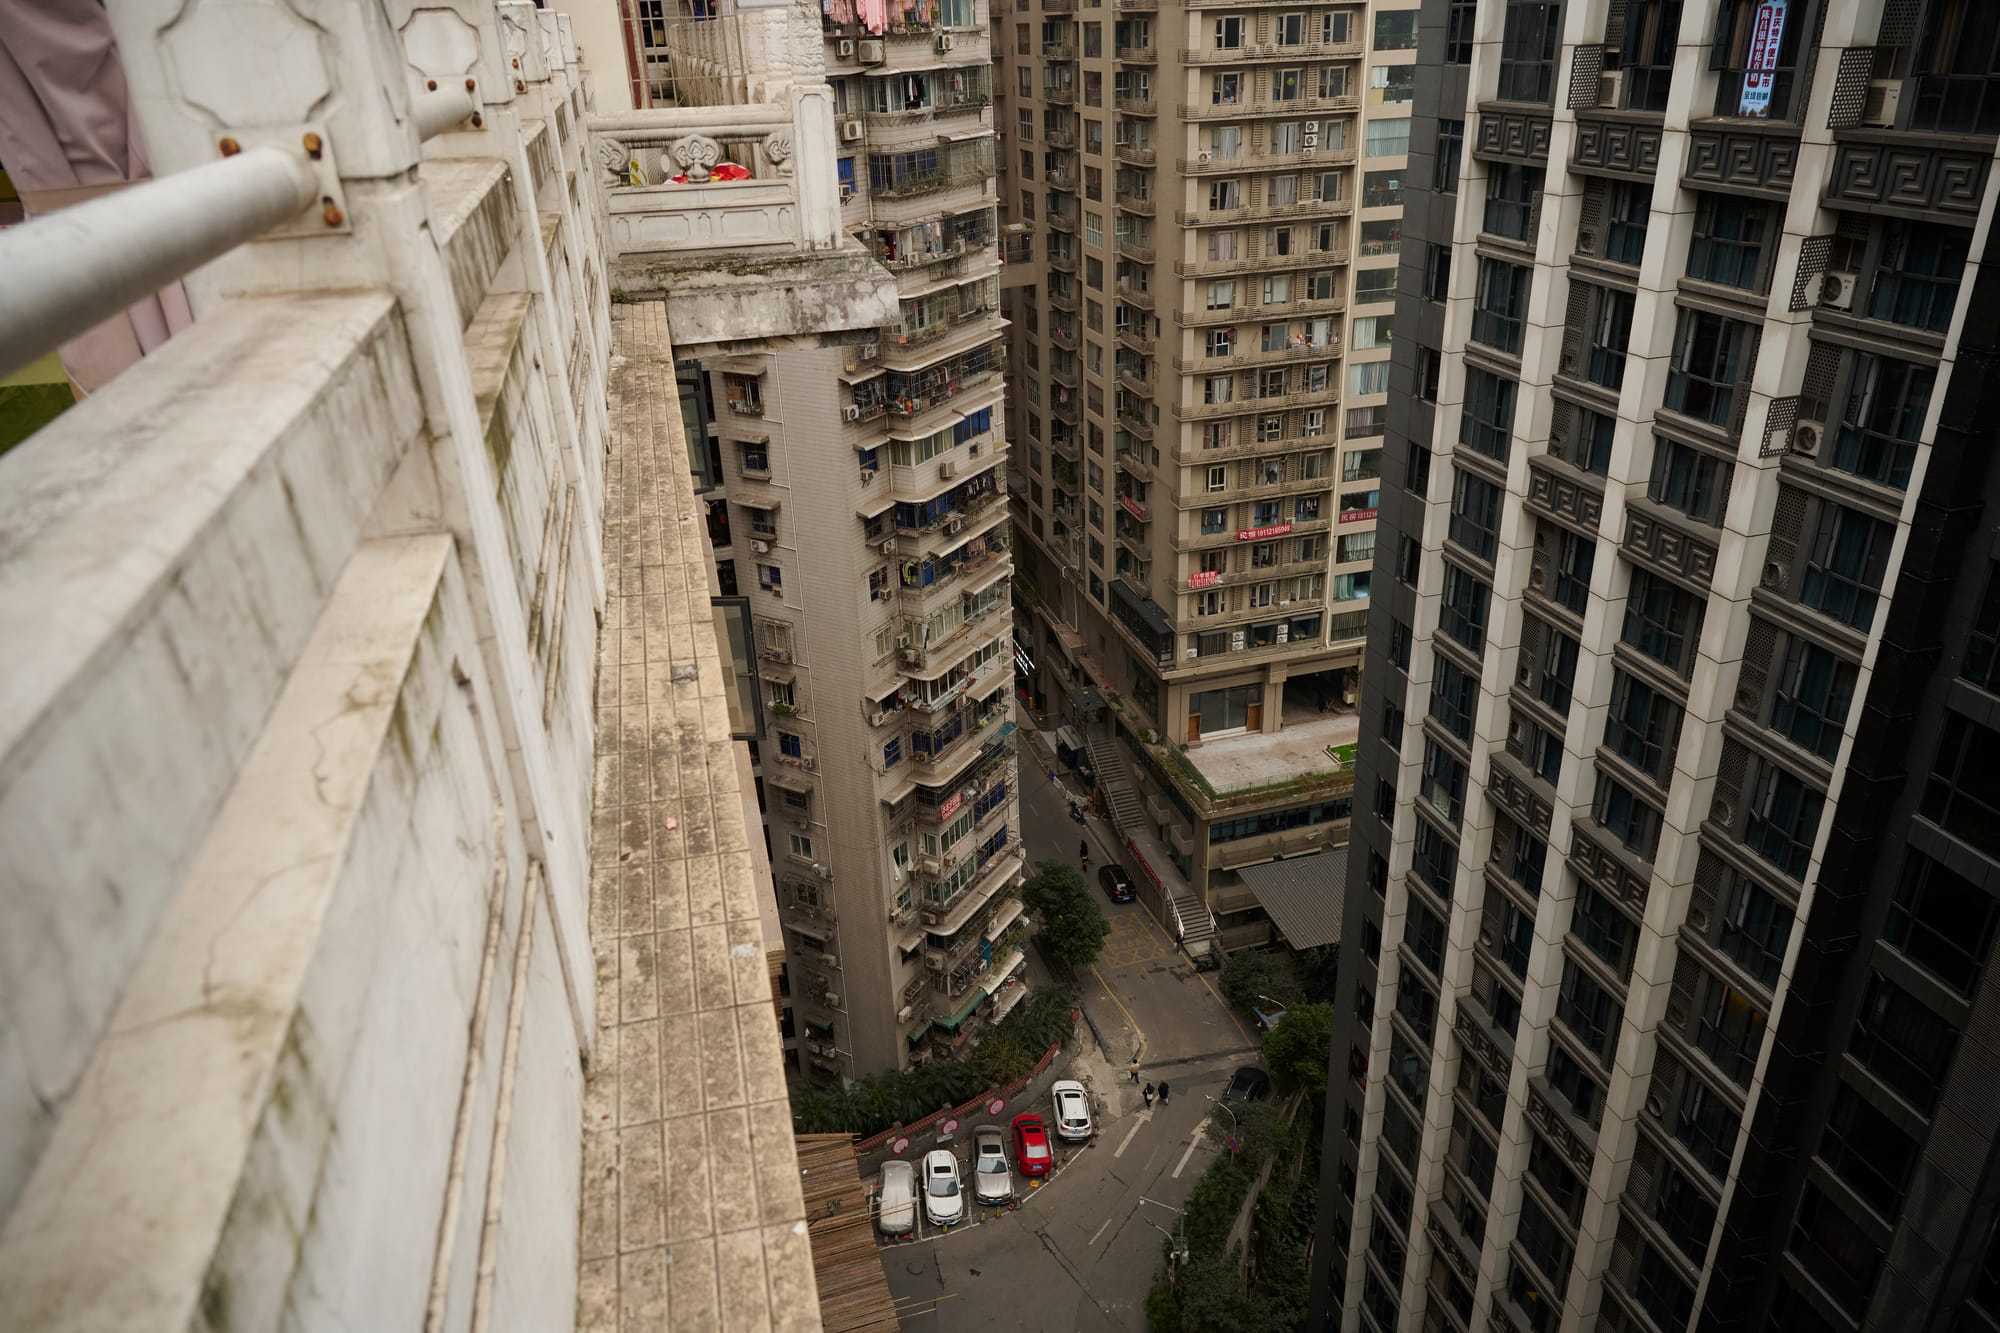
[(693, 1218)]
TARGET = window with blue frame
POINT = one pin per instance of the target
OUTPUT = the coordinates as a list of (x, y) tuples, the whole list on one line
[(1277, 821), (790, 746), (975, 423), (892, 752), (844, 167)]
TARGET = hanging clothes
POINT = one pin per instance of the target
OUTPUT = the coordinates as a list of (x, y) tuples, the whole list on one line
[(873, 15)]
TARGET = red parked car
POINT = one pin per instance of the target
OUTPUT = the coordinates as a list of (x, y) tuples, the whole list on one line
[(1031, 1146)]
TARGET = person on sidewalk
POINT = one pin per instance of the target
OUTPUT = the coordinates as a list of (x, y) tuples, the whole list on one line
[(1134, 1067), (1163, 1092), (1149, 1096)]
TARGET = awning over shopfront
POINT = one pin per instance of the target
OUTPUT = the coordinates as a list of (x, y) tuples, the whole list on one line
[(1302, 895)]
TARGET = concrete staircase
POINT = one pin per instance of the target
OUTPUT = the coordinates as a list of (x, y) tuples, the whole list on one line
[(1121, 794)]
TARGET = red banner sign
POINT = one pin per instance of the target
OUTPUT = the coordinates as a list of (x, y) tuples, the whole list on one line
[(1132, 507), (950, 807), (1356, 515), (1259, 534), (1204, 578)]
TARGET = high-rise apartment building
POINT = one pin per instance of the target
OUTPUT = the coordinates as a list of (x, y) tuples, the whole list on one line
[(1669, 996), (1202, 208), (861, 510)]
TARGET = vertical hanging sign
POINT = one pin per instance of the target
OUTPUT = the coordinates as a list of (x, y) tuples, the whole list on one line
[(1760, 62)]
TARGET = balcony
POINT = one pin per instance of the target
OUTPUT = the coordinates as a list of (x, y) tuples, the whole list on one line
[(1062, 52), (1208, 164), (1059, 96), (1143, 54), (1267, 263), (1327, 398), (1236, 55), (1140, 205), (1265, 212), (1260, 311), (1133, 156), (1134, 295), (1136, 106), (1250, 108), (346, 880), (1139, 252), (1243, 357)]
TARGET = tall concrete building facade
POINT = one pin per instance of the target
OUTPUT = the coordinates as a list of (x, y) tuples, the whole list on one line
[(860, 508), (1667, 990), (1202, 208)]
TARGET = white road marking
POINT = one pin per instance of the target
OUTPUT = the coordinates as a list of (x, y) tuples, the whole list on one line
[(1126, 1142), (1178, 1166), (1097, 1233)]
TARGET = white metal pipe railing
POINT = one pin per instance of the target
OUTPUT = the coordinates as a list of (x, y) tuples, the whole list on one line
[(70, 271)]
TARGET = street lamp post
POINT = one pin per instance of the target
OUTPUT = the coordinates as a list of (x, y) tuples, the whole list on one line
[(1224, 1106), (1177, 1252)]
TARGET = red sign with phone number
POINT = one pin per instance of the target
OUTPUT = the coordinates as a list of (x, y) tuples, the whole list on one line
[(1259, 534)]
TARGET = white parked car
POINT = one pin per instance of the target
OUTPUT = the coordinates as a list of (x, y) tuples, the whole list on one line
[(896, 1210), (992, 1182), (1072, 1111), (944, 1202)]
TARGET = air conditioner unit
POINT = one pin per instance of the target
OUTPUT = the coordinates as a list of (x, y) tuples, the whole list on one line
[(846, 48), (821, 870), (877, 719), (943, 42), (850, 129), (1806, 437), (852, 412), (947, 469), (1879, 107), (1836, 291), (807, 762), (1610, 86), (955, 525), (972, 451), (888, 547), (833, 999), (868, 476), (871, 51), (1203, 156), (1776, 575), (1311, 127), (902, 640), (869, 351), (1308, 150), (903, 1014), (911, 657), (761, 548), (1193, 653)]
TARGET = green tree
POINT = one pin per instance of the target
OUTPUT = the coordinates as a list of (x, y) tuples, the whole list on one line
[(1073, 925), (1319, 973), (1297, 1049), (1248, 975)]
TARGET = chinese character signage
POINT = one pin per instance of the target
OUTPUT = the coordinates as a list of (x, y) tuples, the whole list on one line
[(1205, 578), (1760, 62), (1356, 515), (950, 807), (1259, 534)]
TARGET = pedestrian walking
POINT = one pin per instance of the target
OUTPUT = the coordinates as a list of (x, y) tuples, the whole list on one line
[(1083, 849), (1149, 1096), (1052, 777), (1163, 1092), (1134, 1067)]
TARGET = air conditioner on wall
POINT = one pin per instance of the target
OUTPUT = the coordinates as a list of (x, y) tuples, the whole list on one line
[(761, 548), (943, 42), (851, 412), (1806, 437), (1885, 96), (850, 129), (1836, 291), (1610, 86), (846, 48), (871, 51)]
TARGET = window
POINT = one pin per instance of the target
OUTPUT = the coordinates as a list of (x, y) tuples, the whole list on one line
[(1543, 1241), (1437, 272), (1652, 27), (1475, 514), (1500, 305), (1569, 1078), (1396, 32), (1844, 565), (1528, 50), (1706, 1126), (1814, 691), (1383, 236), (1610, 333), (1710, 355), (1486, 421), (1552, 1171), (1559, 652), (1368, 377), (1903, 1042), (1661, 621), (1454, 697), (1435, 860), (1450, 156), (771, 578), (1784, 819), (1589, 441), (1381, 189), (1536, 746), (1730, 1031), (1868, 1150), (1604, 929), (1392, 85), (1958, 71), (801, 846), (1755, 928), (1962, 793), (1575, 555), (1643, 726), (1753, 85), (1883, 419), (1661, 1291), (1834, 1251), (1517, 938), (1463, 615), (1423, 933), (1917, 283), (1442, 782), (1228, 33), (1620, 812), (1389, 137), (1942, 922), (1588, 1010), (1728, 244), (1511, 191), (1687, 479), (1458, 31)]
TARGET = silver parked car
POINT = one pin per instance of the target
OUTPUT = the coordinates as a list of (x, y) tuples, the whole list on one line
[(944, 1202), (896, 1214), (1073, 1121), (992, 1182)]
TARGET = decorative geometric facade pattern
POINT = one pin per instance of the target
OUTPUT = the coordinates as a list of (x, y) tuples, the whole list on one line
[(1512, 790), (1600, 867), (1850, 86), (1473, 1033), (1675, 553), (1556, 1129), (1513, 135), (1585, 67), (1912, 178), (1739, 160), (1814, 251), (1562, 499), (1616, 148)]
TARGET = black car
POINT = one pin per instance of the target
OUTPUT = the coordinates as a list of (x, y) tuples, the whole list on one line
[(1117, 884), (1250, 1084)]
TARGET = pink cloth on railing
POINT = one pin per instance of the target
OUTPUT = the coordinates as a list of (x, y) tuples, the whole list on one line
[(873, 14), (67, 134), (839, 11)]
